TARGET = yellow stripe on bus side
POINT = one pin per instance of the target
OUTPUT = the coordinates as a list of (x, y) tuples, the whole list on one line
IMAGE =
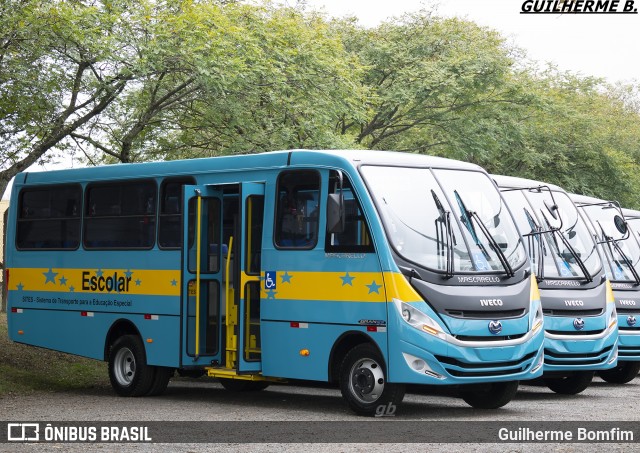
[(329, 286), (96, 281)]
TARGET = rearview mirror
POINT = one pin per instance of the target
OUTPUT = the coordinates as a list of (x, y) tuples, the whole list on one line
[(335, 213), (621, 225)]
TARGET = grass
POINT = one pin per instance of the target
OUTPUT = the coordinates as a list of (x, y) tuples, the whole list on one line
[(27, 369)]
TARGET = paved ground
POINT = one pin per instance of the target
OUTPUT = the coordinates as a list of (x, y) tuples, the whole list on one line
[(206, 401)]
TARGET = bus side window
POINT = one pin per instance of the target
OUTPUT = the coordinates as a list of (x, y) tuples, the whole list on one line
[(170, 218), (49, 218), (297, 208), (120, 215), (355, 237)]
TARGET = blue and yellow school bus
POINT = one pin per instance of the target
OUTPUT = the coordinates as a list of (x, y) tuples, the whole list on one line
[(581, 329), (368, 269), (620, 250)]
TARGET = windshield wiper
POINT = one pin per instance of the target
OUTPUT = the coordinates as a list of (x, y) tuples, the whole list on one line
[(467, 219), (556, 232), (613, 243), (444, 231), (536, 233)]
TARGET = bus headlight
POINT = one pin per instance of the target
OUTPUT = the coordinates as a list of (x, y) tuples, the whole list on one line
[(418, 320), (613, 319), (538, 320)]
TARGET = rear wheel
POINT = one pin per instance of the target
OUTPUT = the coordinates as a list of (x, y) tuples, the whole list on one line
[(128, 370), (489, 396), (160, 380), (570, 385), (621, 374), (238, 385), (363, 383)]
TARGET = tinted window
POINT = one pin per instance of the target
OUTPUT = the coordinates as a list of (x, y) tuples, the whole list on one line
[(120, 215), (49, 218), (355, 237), (297, 209), (170, 219)]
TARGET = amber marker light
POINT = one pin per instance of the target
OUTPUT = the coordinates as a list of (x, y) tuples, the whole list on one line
[(149, 340), (304, 352)]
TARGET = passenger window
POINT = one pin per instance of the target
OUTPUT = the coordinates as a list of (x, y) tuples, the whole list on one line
[(297, 207), (170, 219), (356, 237), (49, 218), (120, 215)]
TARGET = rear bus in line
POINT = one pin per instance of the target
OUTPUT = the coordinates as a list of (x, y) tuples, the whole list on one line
[(620, 249), (581, 329), (367, 269)]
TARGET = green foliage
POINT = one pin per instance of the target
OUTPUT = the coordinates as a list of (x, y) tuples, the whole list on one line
[(124, 81)]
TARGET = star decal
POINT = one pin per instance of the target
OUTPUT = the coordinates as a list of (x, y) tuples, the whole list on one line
[(271, 294), (347, 279), (138, 281), (71, 289), (174, 282), (374, 287), (63, 281), (128, 273), (99, 273), (20, 286), (50, 276), (286, 277)]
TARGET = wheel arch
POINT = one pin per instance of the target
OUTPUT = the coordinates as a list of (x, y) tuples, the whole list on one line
[(118, 329), (343, 344)]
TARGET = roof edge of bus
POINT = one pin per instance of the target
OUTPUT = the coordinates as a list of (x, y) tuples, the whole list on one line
[(578, 198), (515, 182), (268, 159)]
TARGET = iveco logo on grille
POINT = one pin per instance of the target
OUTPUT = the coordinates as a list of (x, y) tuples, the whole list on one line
[(495, 327), (631, 321), (626, 302), (574, 303), (578, 323), (491, 302)]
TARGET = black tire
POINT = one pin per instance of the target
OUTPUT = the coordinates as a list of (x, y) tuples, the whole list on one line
[(160, 380), (492, 395), (128, 370), (363, 383), (570, 385), (621, 374), (238, 385)]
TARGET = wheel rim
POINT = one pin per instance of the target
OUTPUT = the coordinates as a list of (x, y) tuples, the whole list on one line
[(124, 367), (366, 381)]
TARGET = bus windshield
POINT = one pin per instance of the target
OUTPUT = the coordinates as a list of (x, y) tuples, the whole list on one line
[(621, 250), (446, 220), (566, 240)]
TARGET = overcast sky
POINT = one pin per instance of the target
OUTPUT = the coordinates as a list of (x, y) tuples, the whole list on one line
[(602, 45)]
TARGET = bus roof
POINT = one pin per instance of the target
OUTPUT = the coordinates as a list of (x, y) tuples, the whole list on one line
[(273, 159), (513, 182), (584, 199)]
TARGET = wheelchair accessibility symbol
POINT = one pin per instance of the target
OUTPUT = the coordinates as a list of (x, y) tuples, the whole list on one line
[(270, 280)]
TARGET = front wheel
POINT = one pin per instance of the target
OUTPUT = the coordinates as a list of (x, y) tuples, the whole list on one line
[(489, 396), (621, 374), (363, 383), (570, 385), (128, 370)]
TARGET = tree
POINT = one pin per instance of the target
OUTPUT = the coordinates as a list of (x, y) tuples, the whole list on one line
[(61, 65), (425, 74), (231, 78)]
